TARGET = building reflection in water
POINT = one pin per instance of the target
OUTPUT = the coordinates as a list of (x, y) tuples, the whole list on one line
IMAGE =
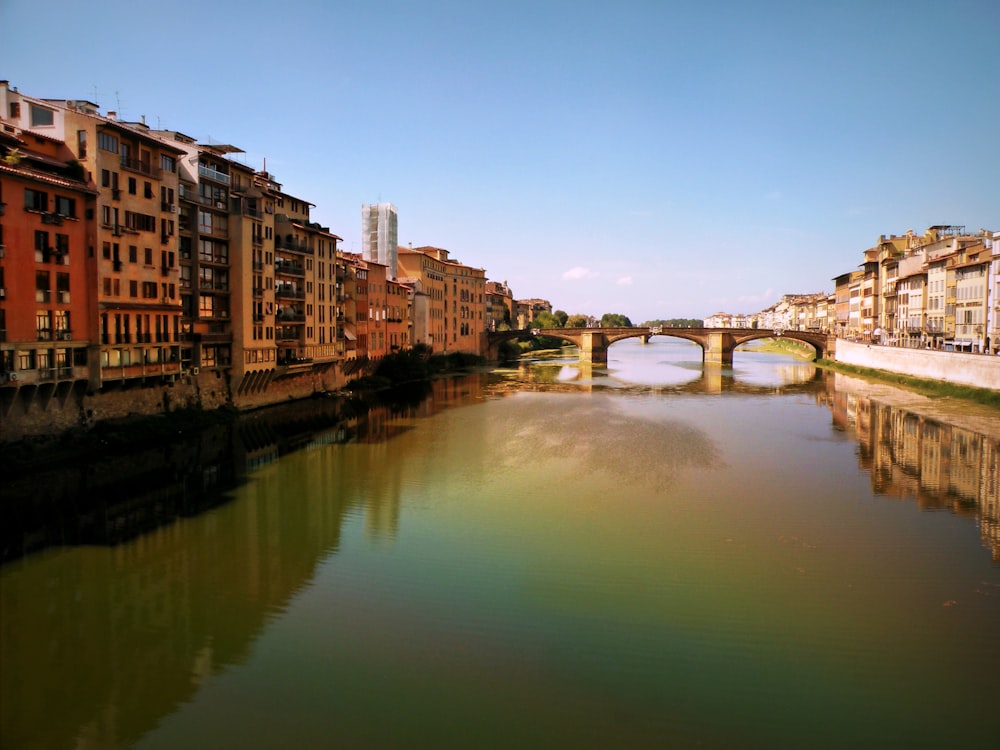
[(938, 465), (140, 626)]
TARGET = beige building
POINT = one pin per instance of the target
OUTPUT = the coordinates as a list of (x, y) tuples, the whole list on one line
[(456, 299), (971, 305), (526, 310)]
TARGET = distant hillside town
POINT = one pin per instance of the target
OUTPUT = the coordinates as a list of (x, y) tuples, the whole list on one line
[(939, 290)]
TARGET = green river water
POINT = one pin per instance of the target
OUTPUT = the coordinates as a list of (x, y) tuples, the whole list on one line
[(648, 556)]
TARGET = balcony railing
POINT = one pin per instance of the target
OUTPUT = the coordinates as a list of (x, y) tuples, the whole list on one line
[(142, 167), (213, 174), (288, 267)]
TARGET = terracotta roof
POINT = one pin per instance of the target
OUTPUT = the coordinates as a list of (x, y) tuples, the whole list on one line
[(48, 178)]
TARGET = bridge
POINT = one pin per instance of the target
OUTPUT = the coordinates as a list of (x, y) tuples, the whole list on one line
[(717, 344)]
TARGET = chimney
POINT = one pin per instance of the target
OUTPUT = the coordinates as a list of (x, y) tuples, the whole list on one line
[(112, 115)]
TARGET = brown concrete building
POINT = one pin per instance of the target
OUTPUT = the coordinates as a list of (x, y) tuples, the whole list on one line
[(298, 242), (457, 298), (424, 268), (499, 306)]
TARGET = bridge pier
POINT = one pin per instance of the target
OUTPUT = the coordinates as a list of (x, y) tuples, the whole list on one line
[(594, 347), (718, 349)]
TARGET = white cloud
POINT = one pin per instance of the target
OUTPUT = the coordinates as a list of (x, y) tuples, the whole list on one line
[(625, 281), (579, 272)]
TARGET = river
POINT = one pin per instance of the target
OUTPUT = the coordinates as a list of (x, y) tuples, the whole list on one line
[(647, 555)]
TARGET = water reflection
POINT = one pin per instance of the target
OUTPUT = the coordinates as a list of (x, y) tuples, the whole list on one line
[(939, 465), (141, 626)]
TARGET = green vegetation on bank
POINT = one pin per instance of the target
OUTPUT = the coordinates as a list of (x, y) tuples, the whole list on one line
[(779, 345), (923, 386), (413, 365)]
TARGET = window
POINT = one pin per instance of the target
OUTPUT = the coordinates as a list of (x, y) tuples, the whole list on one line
[(148, 256), (65, 206), (62, 245), (206, 307), (15, 110), (133, 254), (132, 184), (62, 287), (35, 200), (168, 163), (140, 222), (81, 143), (107, 142), (41, 117)]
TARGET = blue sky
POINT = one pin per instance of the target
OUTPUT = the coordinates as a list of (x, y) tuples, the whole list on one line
[(656, 159)]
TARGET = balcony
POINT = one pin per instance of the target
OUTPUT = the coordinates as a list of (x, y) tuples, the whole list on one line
[(287, 291), (213, 174), (290, 243), (142, 167), (289, 268)]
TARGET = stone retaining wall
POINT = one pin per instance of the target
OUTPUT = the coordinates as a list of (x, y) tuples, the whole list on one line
[(978, 370)]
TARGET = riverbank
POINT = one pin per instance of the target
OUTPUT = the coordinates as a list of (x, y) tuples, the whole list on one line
[(949, 366)]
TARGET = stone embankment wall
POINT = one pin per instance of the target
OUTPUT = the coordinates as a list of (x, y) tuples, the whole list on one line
[(44, 412), (978, 370)]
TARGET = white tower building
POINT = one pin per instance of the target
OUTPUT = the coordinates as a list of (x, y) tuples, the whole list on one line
[(380, 235)]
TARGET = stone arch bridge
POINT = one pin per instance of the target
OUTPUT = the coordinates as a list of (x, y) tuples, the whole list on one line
[(717, 344)]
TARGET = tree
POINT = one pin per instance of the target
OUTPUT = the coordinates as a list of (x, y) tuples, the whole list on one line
[(545, 319), (676, 323), (615, 320), (576, 321), (561, 316)]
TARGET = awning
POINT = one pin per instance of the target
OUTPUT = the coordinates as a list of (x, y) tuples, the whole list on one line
[(350, 335)]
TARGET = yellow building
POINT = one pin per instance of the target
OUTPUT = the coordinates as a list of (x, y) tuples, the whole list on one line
[(424, 268)]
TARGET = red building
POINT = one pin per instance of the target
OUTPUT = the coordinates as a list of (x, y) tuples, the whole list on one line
[(46, 258)]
